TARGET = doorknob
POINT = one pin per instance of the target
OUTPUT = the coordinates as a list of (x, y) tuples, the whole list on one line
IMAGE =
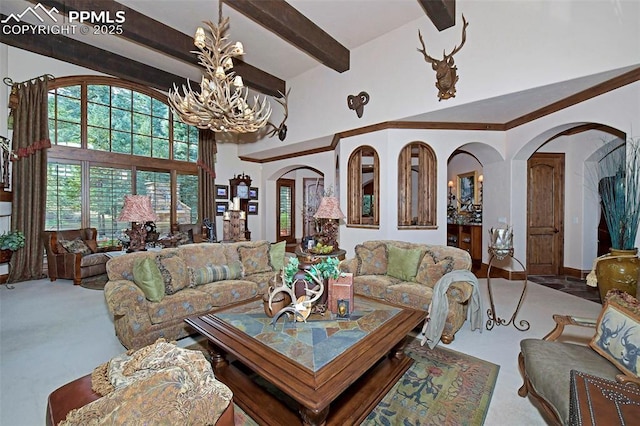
[(556, 230)]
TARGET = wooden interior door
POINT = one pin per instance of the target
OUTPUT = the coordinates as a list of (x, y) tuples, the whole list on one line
[(545, 214), (285, 219)]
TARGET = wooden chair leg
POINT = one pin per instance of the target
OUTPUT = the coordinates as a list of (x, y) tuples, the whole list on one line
[(524, 390)]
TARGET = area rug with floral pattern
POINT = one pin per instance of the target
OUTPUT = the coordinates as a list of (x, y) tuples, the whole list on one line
[(442, 387)]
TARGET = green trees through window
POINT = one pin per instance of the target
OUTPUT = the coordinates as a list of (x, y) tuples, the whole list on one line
[(112, 138)]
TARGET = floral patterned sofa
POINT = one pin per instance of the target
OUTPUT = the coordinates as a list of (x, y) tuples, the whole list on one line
[(194, 279), (406, 273)]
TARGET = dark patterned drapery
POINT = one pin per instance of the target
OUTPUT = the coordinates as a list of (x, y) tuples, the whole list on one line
[(29, 176), (207, 150)]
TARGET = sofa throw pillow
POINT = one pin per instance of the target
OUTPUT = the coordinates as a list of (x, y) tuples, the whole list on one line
[(255, 259), (431, 268), (371, 261), (147, 276), (213, 273), (276, 254), (403, 263), (75, 246), (617, 335), (175, 273), (92, 244)]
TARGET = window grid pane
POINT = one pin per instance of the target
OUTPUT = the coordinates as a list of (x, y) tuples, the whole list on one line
[(63, 197), (107, 188), (157, 185), (187, 194), (285, 211)]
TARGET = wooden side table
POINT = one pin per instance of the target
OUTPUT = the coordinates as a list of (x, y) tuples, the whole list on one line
[(597, 401)]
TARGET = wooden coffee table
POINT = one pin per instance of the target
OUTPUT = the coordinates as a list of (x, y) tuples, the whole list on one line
[(335, 370)]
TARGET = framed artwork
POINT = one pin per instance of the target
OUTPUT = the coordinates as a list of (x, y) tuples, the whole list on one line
[(222, 192), (467, 190), (221, 207), (252, 208), (253, 193)]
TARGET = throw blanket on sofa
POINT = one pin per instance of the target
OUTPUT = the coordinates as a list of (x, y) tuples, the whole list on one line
[(158, 384), (439, 307)]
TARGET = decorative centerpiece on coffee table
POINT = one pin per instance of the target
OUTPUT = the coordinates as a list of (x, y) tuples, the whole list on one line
[(310, 283)]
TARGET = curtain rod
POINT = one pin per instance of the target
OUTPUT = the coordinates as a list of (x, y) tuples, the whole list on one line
[(9, 82)]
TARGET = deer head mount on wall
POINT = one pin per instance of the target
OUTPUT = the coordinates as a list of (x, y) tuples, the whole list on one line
[(357, 102), (445, 68), (280, 130)]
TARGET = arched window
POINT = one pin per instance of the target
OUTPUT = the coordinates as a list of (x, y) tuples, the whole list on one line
[(111, 138), (417, 178), (363, 188)]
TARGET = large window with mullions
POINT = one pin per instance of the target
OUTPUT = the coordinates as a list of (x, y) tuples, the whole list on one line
[(112, 138)]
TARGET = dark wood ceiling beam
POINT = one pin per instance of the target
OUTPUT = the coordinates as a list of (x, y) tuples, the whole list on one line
[(281, 18), (84, 55), (441, 12), (148, 32)]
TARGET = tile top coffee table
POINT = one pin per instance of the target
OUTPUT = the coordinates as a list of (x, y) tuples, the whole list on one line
[(335, 370)]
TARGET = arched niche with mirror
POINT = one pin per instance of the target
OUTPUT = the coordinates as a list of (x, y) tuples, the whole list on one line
[(417, 189), (363, 187)]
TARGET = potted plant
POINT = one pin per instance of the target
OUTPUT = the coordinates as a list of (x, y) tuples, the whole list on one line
[(619, 190), (10, 242)]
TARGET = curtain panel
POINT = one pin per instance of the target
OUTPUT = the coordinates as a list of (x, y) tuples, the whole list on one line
[(29, 177), (207, 150)]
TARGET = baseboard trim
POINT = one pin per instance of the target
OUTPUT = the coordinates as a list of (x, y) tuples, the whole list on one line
[(497, 272), (575, 273)]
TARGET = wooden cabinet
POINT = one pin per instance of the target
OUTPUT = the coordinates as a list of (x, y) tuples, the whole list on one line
[(466, 237)]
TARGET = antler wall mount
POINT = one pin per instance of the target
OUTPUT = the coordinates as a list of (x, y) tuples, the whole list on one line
[(280, 130), (357, 102), (445, 68)]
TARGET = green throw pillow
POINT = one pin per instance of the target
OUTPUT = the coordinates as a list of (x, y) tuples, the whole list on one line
[(403, 263), (276, 252), (147, 276)]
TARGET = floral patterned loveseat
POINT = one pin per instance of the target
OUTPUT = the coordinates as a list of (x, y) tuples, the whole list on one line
[(196, 278), (405, 273)]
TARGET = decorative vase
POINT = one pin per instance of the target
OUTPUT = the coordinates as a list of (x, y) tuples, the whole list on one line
[(619, 270), (301, 281), (280, 300), (5, 255)]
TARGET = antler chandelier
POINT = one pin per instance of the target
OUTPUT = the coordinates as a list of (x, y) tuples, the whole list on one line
[(221, 105)]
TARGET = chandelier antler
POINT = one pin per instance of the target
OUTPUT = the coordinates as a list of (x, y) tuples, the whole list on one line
[(221, 105)]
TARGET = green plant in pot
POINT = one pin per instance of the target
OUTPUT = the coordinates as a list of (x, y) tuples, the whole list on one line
[(10, 242), (619, 190)]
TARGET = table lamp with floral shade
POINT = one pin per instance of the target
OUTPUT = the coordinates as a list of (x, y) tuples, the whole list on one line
[(329, 212), (137, 210)]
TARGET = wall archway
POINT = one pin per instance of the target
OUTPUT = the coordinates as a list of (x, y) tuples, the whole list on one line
[(580, 143)]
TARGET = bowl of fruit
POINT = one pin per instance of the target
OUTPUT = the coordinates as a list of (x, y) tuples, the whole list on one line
[(321, 249)]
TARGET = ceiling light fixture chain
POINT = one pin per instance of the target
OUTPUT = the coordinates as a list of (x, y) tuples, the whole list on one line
[(221, 105)]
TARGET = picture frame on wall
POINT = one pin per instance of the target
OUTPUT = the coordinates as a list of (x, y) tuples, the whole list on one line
[(222, 192), (252, 208), (221, 207), (253, 193), (467, 190)]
